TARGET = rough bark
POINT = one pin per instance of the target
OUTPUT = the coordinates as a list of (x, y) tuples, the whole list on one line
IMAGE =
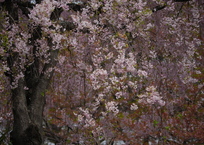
[(28, 105), (20, 113), (28, 117)]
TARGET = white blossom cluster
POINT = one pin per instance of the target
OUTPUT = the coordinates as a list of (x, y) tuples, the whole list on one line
[(98, 78), (133, 106), (151, 97), (86, 118), (42, 12), (112, 107)]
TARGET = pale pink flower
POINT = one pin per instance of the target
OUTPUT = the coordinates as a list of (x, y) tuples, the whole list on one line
[(112, 107), (142, 73), (119, 95), (133, 106), (80, 118)]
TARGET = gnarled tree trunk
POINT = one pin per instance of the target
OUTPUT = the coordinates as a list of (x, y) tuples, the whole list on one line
[(28, 96), (28, 107)]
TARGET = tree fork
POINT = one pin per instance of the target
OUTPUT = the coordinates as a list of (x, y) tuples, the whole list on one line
[(28, 116)]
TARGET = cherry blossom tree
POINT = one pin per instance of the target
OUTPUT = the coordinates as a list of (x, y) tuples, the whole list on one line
[(125, 72), (141, 78), (31, 41)]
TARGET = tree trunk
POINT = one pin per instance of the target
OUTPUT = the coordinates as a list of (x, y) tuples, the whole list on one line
[(28, 107), (27, 126), (28, 104)]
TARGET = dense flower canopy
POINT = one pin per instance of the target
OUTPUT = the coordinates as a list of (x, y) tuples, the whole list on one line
[(124, 71)]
